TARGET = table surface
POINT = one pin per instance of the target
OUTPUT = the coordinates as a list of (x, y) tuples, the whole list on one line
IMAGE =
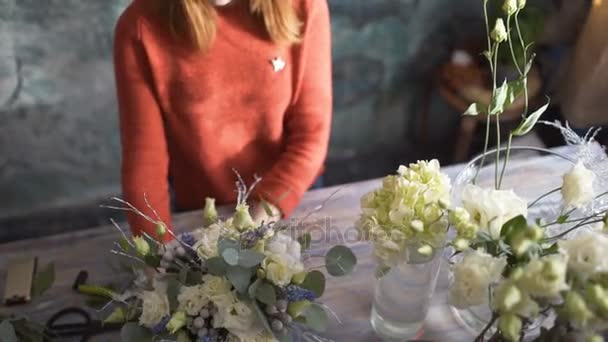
[(350, 297)]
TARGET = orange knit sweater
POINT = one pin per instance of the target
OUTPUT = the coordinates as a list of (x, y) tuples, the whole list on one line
[(190, 118)]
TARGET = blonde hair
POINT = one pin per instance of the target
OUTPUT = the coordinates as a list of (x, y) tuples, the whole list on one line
[(196, 20)]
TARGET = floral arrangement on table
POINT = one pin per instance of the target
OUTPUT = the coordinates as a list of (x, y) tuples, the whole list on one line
[(231, 280), (529, 272)]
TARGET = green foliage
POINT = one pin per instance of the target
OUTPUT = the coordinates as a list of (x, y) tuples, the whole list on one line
[(266, 293), (249, 258), (513, 227), (315, 282), (231, 256), (44, 280), (499, 99), (217, 266), (173, 288), (240, 277), (340, 261), (132, 332), (474, 109), (529, 122), (316, 317)]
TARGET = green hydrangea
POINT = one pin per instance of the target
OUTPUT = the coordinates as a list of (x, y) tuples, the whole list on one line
[(408, 208)]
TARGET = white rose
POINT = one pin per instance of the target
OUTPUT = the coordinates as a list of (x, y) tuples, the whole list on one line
[(472, 278), (206, 246), (155, 305), (192, 299), (284, 246), (490, 208), (577, 188), (218, 290), (587, 253), (279, 271), (239, 319)]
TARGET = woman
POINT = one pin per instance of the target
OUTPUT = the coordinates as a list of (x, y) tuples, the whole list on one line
[(206, 87)]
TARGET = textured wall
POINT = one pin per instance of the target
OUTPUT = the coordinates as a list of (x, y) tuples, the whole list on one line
[(58, 122)]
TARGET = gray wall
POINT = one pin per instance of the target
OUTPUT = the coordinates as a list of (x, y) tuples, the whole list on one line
[(59, 144)]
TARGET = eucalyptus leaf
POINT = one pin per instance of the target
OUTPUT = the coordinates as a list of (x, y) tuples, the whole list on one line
[(499, 99), (262, 317), (173, 289), (473, 110), (297, 309), (340, 261), (529, 122), (286, 336), (7, 332), (266, 293), (132, 332), (305, 241), (249, 258), (231, 256), (43, 280), (224, 244), (217, 266), (253, 288), (316, 317), (315, 282), (240, 277)]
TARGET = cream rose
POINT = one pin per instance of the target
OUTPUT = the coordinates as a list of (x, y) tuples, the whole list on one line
[(577, 188), (192, 299), (218, 290), (472, 278), (155, 306), (240, 320), (278, 271), (545, 277), (587, 253), (206, 246), (490, 208)]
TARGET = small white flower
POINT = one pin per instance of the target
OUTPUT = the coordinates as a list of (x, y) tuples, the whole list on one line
[(587, 253), (472, 277), (206, 246), (577, 188), (490, 209), (545, 277), (499, 34), (155, 305), (218, 290)]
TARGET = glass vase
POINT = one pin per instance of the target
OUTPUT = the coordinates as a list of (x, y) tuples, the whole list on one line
[(402, 295), (531, 179)]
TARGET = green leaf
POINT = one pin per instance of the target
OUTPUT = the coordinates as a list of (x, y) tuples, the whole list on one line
[(529, 64), (315, 282), (183, 275), (217, 266), (529, 122), (249, 258), (132, 332), (262, 317), (231, 256), (7, 332), (340, 260), (182, 336), (513, 226), (152, 260), (240, 277), (516, 88), (266, 294), (44, 280), (305, 241), (253, 288), (551, 250), (473, 110), (316, 317), (173, 288), (117, 316), (562, 219), (224, 244), (124, 244), (499, 99)]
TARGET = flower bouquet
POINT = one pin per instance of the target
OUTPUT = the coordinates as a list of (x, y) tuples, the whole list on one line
[(232, 280)]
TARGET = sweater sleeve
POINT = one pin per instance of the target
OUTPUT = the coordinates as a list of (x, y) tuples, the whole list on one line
[(307, 124), (144, 147)]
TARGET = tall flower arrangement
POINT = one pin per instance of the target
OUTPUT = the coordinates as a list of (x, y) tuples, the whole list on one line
[(231, 280)]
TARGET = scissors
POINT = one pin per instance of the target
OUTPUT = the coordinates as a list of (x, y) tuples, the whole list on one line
[(78, 325)]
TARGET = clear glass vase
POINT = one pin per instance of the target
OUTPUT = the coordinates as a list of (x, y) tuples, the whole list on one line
[(402, 295), (531, 179)]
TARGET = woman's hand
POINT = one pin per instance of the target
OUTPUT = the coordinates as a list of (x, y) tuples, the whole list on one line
[(265, 212)]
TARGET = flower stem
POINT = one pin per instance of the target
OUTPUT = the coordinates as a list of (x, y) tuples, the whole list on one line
[(481, 336), (543, 196), (504, 165), (585, 222)]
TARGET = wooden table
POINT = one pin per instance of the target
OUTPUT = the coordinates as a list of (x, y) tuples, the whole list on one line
[(349, 297)]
